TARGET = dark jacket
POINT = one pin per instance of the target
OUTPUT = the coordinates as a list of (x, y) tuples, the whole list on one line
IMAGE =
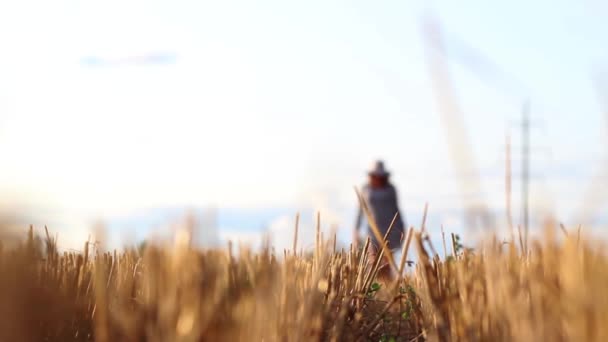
[(383, 205)]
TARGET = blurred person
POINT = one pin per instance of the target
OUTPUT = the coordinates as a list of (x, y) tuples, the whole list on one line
[(381, 197)]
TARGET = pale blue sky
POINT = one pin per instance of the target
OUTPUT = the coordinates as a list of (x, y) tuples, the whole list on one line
[(283, 104)]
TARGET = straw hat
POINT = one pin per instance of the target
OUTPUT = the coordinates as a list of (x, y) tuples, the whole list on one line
[(378, 169)]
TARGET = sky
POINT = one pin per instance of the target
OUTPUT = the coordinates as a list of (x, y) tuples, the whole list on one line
[(273, 104)]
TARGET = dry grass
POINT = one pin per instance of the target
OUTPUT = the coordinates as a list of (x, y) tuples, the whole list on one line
[(179, 294), (554, 293)]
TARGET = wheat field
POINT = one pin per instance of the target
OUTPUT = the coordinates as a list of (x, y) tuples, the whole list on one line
[(551, 290)]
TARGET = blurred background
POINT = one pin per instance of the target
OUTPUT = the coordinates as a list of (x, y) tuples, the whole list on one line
[(139, 115)]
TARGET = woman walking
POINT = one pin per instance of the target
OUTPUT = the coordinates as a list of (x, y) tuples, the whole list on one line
[(381, 198)]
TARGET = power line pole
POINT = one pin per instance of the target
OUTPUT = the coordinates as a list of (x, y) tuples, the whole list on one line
[(525, 168), (526, 124)]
